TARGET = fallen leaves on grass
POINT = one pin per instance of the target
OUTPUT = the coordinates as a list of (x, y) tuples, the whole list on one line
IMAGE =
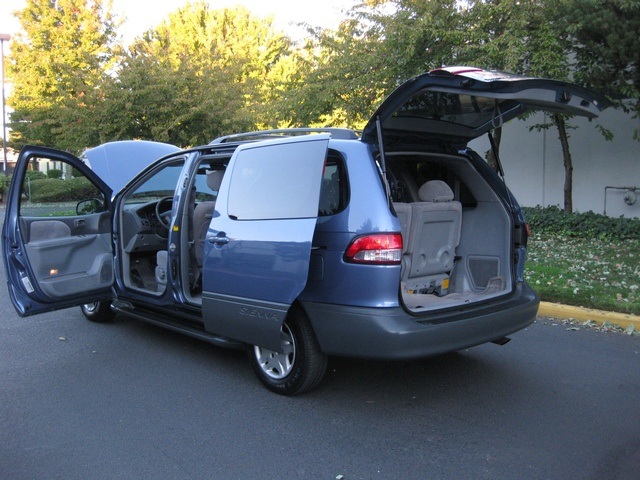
[(585, 272)]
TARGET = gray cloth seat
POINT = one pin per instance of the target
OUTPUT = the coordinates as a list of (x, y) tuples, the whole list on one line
[(200, 220), (202, 216), (434, 234), (403, 211)]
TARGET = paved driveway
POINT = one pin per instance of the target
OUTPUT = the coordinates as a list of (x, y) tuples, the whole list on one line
[(128, 400)]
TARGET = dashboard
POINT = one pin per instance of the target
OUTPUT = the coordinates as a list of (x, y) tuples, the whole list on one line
[(142, 231)]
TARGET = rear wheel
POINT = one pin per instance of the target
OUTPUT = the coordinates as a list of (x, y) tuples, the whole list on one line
[(300, 366), (98, 312)]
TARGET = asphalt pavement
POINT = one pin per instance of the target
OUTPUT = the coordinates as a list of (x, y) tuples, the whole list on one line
[(127, 400)]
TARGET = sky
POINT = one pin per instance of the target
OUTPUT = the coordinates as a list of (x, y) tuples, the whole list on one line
[(143, 14)]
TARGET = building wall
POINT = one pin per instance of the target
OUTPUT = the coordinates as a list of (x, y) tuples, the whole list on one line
[(535, 173), (44, 165)]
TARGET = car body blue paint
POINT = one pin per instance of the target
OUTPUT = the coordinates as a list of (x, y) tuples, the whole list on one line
[(260, 256)]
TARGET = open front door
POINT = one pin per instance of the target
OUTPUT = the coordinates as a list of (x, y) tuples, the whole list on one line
[(257, 251), (56, 238)]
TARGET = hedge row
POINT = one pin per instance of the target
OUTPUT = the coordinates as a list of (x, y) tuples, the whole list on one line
[(4, 183), (31, 175), (554, 221), (58, 190)]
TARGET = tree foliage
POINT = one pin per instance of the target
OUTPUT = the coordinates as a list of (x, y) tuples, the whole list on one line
[(205, 72), (338, 83), (199, 74), (528, 37), (380, 44), (57, 68), (606, 45)]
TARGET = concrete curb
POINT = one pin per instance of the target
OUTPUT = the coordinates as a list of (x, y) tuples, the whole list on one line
[(556, 310)]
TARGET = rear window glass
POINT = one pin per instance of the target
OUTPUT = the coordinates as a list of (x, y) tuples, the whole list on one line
[(465, 110), (334, 192), (406, 178)]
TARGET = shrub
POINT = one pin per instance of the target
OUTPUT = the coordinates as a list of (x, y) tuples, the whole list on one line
[(4, 184), (34, 175), (588, 225), (58, 190), (54, 173)]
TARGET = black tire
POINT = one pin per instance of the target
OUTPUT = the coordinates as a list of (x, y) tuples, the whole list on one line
[(99, 312), (302, 364)]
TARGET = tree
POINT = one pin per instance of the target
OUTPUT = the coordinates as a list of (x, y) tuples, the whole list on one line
[(387, 41), (528, 37), (200, 74), (381, 44), (415, 36), (338, 79), (57, 67), (606, 45)]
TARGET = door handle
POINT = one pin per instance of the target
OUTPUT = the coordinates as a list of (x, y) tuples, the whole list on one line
[(219, 240)]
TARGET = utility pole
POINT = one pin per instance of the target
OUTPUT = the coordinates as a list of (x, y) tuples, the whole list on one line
[(4, 37)]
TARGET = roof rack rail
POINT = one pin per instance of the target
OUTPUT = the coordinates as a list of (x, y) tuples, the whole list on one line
[(338, 133)]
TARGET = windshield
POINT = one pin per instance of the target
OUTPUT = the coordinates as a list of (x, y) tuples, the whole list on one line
[(161, 184)]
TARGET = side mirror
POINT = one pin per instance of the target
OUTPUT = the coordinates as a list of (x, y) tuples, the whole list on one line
[(87, 207)]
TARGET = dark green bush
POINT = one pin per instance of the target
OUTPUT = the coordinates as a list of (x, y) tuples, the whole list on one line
[(4, 183), (34, 175), (54, 173), (58, 190), (554, 221)]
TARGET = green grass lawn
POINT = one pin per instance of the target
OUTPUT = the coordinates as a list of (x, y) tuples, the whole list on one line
[(590, 273)]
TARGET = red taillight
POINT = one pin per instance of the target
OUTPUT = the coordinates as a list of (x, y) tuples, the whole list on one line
[(527, 229), (380, 249)]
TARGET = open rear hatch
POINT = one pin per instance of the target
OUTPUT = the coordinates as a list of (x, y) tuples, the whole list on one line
[(458, 220), (458, 104)]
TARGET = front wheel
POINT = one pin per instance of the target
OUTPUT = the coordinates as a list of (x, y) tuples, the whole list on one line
[(98, 312), (300, 366)]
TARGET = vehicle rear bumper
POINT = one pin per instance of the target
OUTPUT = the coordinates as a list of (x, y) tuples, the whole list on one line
[(394, 334)]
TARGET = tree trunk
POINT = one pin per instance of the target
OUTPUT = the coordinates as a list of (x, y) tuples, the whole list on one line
[(568, 163)]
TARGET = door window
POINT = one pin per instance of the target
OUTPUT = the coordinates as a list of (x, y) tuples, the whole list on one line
[(61, 192), (66, 233), (280, 180)]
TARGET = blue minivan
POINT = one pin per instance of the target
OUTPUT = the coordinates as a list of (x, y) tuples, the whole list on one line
[(299, 244)]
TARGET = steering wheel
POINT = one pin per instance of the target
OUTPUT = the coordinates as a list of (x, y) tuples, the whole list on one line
[(163, 211)]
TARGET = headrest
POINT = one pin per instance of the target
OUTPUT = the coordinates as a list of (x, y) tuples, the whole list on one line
[(435, 191), (214, 179)]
